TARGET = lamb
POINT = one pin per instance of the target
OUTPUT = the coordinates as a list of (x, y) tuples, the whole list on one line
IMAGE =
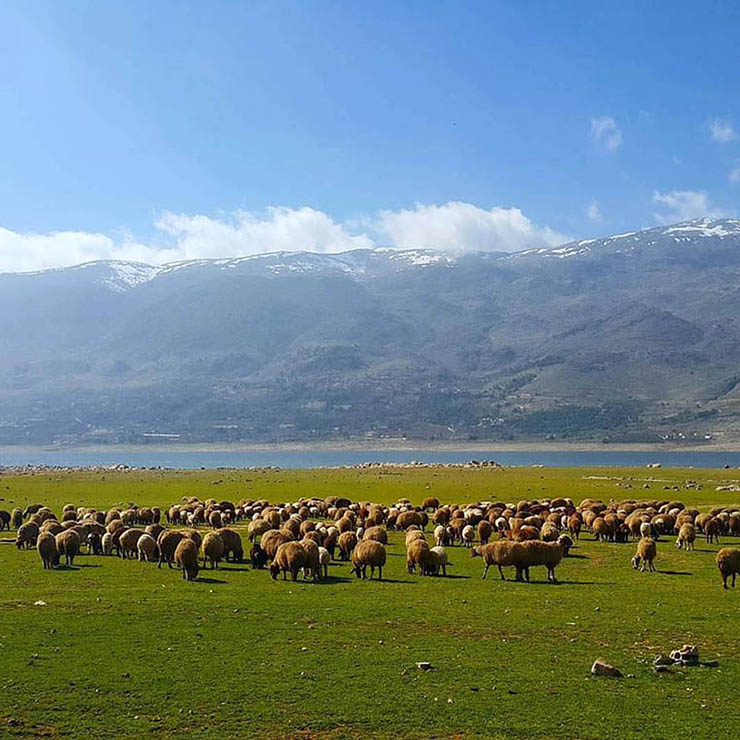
[(368, 553), (146, 547), (437, 560), (728, 562), (68, 544), (290, 556), (440, 535), (645, 554), (186, 558), (27, 535), (324, 560), (686, 537), (47, 549), (232, 544), (213, 549), (167, 543)]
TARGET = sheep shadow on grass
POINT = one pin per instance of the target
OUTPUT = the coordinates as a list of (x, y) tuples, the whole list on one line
[(200, 579), (234, 570), (575, 556), (675, 572)]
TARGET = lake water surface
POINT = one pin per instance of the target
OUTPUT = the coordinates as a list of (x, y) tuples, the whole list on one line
[(326, 458)]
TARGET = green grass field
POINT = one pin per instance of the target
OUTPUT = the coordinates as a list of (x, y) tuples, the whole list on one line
[(124, 650)]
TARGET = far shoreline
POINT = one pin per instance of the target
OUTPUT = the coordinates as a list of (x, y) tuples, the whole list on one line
[(377, 446)]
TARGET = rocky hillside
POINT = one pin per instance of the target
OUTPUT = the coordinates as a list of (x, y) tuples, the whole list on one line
[(630, 337)]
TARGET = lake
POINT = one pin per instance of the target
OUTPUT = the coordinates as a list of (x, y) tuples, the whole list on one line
[(329, 458)]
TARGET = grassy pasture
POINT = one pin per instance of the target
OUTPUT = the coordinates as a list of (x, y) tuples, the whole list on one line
[(124, 650)]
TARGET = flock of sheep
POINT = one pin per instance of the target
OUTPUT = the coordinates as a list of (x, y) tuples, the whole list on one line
[(306, 536)]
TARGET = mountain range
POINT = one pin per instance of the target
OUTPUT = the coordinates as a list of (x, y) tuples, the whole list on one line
[(629, 338)]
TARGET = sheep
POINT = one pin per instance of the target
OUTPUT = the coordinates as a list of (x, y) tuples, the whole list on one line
[(468, 535), (549, 532), (213, 549), (186, 558), (417, 553), (167, 543), (324, 560), (16, 518), (273, 539), (548, 554), (711, 530), (128, 541), (440, 535), (146, 547), (257, 557), (4, 520), (347, 542), (728, 562), (502, 553), (414, 534), (368, 553), (107, 543), (409, 518), (312, 563), (485, 530), (645, 554), (646, 529), (47, 549), (232, 544), (257, 528), (566, 543), (575, 522), (376, 533), (290, 556), (686, 537), (437, 560), (27, 535), (94, 544), (68, 544)]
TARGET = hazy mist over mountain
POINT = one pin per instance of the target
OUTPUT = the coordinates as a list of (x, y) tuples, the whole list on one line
[(633, 337)]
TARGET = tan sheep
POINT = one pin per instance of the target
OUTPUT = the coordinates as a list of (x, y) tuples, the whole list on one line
[(167, 543), (27, 535), (186, 558), (213, 549), (537, 552), (324, 560), (417, 555), (376, 533), (146, 547), (46, 547), (686, 537), (347, 542), (312, 564), (68, 544), (232, 544), (128, 541), (645, 554), (290, 557), (728, 562), (368, 553)]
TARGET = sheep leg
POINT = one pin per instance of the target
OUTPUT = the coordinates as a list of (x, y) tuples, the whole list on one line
[(485, 573), (380, 574), (501, 573)]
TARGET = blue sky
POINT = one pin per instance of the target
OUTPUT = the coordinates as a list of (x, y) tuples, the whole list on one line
[(160, 130)]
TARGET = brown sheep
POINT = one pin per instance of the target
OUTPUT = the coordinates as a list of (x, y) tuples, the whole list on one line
[(167, 543), (728, 562), (368, 553), (575, 522), (430, 502), (548, 554), (417, 554), (347, 542), (257, 528), (645, 554), (312, 565), (47, 549), (686, 537), (232, 544), (215, 519), (408, 518), (186, 558), (68, 544), (711, 530), (27, 535), (289, 557), (485, 530), (501, 553), (272, 540), (376, 533), (213, 549), (128, 541)]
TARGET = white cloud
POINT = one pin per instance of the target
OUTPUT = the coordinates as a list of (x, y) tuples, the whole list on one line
[(722, 130), (464, 227), (734, 175), (457, 226), (606, 133), (593, 211), (684, 205)]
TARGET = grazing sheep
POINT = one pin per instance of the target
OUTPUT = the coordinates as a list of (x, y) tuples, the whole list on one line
[(376, 533), (46, 547), (127, 543), (575, 522), (501, 553), (711, 530), (414, 534), (324, 560), (347, 542), (213, 549), (312, 565), (257, 557), (368, 553), (645, 554), (68, 544), (548, 554), (686, 537), (468, 535), (409, 518), (728, 562), (232, 544), (146, 548), (440, 536), (485, 530), (549, 532), (437, 560), (167, 543), (107, 543), (272, 540), (27, 535), (94, 543), (430, 502), (417, 554), (4, 520), (289, 557), (257, 528), (186, 558)]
